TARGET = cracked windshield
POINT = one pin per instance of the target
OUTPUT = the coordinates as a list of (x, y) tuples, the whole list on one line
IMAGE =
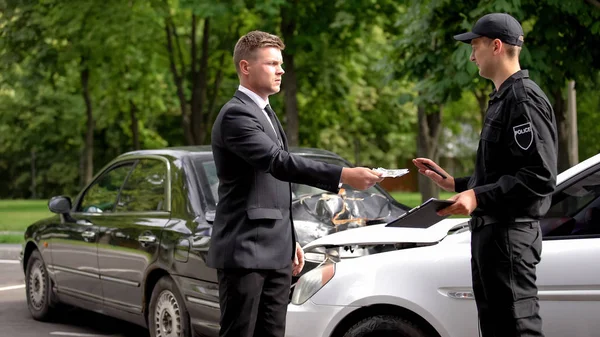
[(317, 212)]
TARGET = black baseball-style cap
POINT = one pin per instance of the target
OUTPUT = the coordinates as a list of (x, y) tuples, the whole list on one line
[(495, 26)]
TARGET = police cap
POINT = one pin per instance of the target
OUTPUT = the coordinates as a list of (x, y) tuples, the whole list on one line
[(495, 26)]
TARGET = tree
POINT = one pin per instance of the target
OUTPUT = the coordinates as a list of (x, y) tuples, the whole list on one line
[(429, 57), (560, 30)]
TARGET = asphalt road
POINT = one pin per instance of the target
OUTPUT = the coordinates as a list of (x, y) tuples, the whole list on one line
[(15, 320)]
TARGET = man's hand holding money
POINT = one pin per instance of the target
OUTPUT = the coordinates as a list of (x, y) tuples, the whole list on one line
[(361, 178), (387, 173)]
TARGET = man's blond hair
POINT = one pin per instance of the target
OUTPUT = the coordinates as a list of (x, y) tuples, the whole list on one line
[(247, 45)]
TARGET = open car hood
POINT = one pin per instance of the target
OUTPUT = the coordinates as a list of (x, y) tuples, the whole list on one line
[(322, 214), (380, 234)]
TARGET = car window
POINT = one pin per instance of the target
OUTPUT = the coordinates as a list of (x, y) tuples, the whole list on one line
[(575, 210), (210, 173), (102, 195), (207, 172), (144, 189)]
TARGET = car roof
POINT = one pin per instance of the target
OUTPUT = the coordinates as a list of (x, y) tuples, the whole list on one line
[(186, 151), (580, 167)]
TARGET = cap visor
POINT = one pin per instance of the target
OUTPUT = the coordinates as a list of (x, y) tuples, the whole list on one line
[(466, 37)]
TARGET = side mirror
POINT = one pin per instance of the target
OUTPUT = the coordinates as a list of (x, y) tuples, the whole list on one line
[(60, 205)]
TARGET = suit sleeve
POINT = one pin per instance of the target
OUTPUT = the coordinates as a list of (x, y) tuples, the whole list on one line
[(536, 159), (244, 135)]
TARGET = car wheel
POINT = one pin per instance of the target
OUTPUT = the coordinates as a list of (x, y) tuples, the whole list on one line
[(384, 326), (37, 287), (168, 316)]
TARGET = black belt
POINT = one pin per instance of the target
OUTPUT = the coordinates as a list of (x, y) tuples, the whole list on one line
[(483, 220)]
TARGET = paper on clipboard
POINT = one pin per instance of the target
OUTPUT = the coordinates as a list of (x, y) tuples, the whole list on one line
[(388, 173)]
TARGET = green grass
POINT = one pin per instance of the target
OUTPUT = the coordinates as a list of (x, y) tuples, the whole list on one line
[(412, 199), (11, 238), (16, 215)]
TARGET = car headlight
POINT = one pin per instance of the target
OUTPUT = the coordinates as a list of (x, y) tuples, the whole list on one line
[(311, 282)]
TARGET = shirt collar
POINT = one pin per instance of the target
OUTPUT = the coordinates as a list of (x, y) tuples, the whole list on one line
[(508, 83), (257, 99)]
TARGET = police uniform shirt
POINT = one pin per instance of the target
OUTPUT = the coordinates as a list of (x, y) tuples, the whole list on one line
[(515, 172)]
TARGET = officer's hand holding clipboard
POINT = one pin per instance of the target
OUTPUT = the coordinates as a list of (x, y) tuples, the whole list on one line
[(464, 204)]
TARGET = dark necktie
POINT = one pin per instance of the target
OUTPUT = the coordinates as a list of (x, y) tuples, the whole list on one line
[(276, 124)]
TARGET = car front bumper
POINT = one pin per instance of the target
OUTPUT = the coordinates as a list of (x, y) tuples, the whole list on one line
[(314, 320)]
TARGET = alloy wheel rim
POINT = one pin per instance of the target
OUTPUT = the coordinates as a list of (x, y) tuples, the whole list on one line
[(167, 316), (37, 285)]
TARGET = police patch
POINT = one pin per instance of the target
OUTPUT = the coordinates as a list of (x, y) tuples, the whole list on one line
[(523, 135)]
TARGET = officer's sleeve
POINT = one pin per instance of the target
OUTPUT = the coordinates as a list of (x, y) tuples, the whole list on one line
[(531, 138), (461, 184)]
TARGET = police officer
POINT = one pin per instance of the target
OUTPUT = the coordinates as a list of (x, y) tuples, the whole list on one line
[(511, 187)]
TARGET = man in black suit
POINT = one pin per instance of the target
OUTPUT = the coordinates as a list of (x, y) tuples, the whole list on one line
[(253, 245)]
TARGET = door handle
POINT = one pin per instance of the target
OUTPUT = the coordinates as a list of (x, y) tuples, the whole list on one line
[(145, 239), (88, 235)]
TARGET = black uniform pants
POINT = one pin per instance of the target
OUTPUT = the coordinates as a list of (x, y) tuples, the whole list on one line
[(254, 301), (503, 263)]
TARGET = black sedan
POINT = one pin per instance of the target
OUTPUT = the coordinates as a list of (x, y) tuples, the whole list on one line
[(133, 243)]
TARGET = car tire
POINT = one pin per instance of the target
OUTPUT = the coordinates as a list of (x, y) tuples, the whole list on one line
[(38, 288), (384, 326), (167, 315)]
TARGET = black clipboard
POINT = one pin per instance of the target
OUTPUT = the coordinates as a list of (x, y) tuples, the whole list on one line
[(422, 216)]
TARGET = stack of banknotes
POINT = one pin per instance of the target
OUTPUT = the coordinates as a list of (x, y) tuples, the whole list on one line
[(387, 173)]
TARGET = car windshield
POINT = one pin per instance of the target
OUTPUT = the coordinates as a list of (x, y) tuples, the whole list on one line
[(300, 191), (207, 171), (318, 212)]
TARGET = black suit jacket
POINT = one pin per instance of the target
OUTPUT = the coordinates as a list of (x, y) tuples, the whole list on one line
[(253, 227)]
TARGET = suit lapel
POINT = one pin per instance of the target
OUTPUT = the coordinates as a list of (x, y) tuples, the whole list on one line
[(259, 114)]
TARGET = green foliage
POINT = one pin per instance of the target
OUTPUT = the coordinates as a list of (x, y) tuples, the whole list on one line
[(16, 215), (588, 119), (559, 42), (362, 69)]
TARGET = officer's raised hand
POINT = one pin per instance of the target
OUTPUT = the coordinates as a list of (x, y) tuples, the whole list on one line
[(446, 181), (464, 204)]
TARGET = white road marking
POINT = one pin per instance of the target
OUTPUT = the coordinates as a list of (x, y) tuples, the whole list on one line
[(77, 334), (10, 261), (21, 286)]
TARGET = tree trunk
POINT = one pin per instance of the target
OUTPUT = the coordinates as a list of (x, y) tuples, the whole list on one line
[(178, 80), (291, 101), (89, 134), (572, 124), (33, 175), (199, 84), (427, 139), (290, 82), (135, 133), (211, 112), (232, 35), (563, 130), (595, 3)]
